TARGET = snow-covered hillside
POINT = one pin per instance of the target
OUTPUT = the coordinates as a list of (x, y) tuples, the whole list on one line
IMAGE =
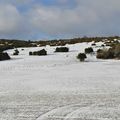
[(58, 86)]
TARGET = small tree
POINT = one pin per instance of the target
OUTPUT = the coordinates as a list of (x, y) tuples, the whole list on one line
[(81, 56)]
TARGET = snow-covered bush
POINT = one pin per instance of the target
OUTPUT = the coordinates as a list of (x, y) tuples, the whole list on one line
[(62, 49), (4, 56), (89, 50), (81, 56)]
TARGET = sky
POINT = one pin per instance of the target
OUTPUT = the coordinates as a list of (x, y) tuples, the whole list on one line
[(53, 19)]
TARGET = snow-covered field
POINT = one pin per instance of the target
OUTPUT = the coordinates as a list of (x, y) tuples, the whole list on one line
[(59, 87)]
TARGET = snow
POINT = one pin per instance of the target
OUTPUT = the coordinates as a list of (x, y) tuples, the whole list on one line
[(58, 86)]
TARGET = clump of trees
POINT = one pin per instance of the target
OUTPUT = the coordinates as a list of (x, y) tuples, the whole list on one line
[(62, 49), (4, 56), (39, 53), (16, 52), (81, 56), (5, 47), (89, 50), (110, 53)]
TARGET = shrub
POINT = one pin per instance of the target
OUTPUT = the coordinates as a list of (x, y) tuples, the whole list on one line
[(35, 53), (62, 49), (117, 51), (110, 53), (101, 54), (102, 45), (89, 50), (105, 54), (93, 44), (81, 56), (16, 52), (39, 53), (99, 50), (42, 52), (30, 53), (4, 56)]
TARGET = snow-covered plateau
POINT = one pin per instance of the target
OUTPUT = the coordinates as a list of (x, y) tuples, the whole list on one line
[(58, 86)]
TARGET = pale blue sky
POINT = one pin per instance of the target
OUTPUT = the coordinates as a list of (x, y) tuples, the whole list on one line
[(50, 19)]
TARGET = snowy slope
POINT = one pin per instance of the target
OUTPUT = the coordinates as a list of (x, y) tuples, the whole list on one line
[(57, 71), (63, 74)]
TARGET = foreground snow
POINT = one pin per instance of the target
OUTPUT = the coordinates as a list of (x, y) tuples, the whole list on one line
[(58, 86)]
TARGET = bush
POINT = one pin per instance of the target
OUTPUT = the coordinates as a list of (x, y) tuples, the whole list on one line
[(81, 56), (42, 52), (113, 52), (4, 56), (39, 53), (30, 53), (89, 50), (105, 54), (93, 44), (117, 51), (102, 45), (99, 50), (35, 53), (16, 52), (62, 49)]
